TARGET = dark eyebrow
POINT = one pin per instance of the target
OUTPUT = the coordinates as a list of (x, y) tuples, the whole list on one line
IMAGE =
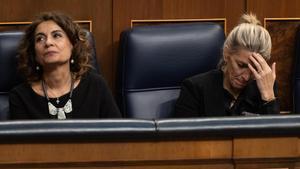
[(39, 34), (57, 31), (42, 34)]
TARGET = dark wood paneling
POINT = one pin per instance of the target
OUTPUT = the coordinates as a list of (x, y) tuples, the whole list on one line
[(125, 11), (283, 33), (183, 9), (283, 38), (8, 26), (233, 10), (264, 153), (274, 8), (201, 154), (99, 12), (238, 153), (205, 9)]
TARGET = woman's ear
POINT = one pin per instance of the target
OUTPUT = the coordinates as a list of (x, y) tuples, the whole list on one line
[(225, 55), (225, 58)]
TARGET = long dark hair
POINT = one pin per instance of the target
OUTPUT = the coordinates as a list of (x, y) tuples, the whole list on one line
[(81, 52)]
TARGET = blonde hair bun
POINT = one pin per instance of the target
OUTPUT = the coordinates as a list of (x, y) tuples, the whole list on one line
[(250, 19)]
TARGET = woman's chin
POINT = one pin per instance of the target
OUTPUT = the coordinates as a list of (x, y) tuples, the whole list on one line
[(54, 61), (238, 85)]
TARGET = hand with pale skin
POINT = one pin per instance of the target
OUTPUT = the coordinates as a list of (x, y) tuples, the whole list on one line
[(264, 76)]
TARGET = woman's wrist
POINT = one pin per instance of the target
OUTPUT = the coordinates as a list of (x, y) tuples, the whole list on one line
[(269, 101), (268, 97)]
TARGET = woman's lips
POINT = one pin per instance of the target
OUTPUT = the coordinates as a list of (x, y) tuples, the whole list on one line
[(240, 83), (50, 53)]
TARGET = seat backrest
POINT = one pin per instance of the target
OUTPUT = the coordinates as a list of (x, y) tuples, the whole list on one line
[(9, 77), (9, 42), (153, 61), (92, 43)]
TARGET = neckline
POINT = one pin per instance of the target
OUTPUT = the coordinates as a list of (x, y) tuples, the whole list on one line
[(45, 90), (75, 88), (60, 112)]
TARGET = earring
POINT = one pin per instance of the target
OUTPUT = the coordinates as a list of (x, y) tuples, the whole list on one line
[(223, 65), (72, 61), (37, 68)]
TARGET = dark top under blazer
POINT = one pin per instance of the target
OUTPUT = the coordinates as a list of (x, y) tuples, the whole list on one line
[(203, 95), (91, 99)]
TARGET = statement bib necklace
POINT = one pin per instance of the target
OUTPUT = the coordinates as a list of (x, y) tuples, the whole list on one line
[(59, 111)]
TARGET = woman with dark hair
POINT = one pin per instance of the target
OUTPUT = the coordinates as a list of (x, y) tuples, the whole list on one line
[(54, 56), (244, 84)]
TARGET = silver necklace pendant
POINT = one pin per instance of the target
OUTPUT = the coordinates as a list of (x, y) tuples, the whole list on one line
[(60, 112), (68, 106), (52, 109)]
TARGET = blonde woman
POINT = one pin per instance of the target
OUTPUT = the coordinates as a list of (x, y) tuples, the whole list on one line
[(244, 84)]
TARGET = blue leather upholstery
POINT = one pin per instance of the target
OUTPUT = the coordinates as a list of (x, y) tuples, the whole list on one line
[(155, 59), (121, 130), (92, 43), (9, 42), (9, 77), (107, 130), (273, 125)]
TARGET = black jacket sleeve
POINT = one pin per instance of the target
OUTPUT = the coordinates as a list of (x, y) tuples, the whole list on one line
[(16, 107), (271, 107), (189, 102), (108, 105)]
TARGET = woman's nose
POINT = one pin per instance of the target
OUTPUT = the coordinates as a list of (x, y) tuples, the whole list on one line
[(48, 42), (246, 75)]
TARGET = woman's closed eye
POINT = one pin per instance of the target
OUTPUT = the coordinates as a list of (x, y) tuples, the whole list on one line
[(242, 65), (57, 35)]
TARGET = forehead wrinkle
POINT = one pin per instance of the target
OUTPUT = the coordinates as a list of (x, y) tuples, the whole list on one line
[(48, 25)]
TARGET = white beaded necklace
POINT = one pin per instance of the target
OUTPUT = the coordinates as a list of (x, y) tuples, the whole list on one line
[(59, 111)]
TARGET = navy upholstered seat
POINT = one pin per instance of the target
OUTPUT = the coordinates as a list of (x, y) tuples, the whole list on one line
[(92, 43), (9, 77), (9, 42), (153, 61)]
